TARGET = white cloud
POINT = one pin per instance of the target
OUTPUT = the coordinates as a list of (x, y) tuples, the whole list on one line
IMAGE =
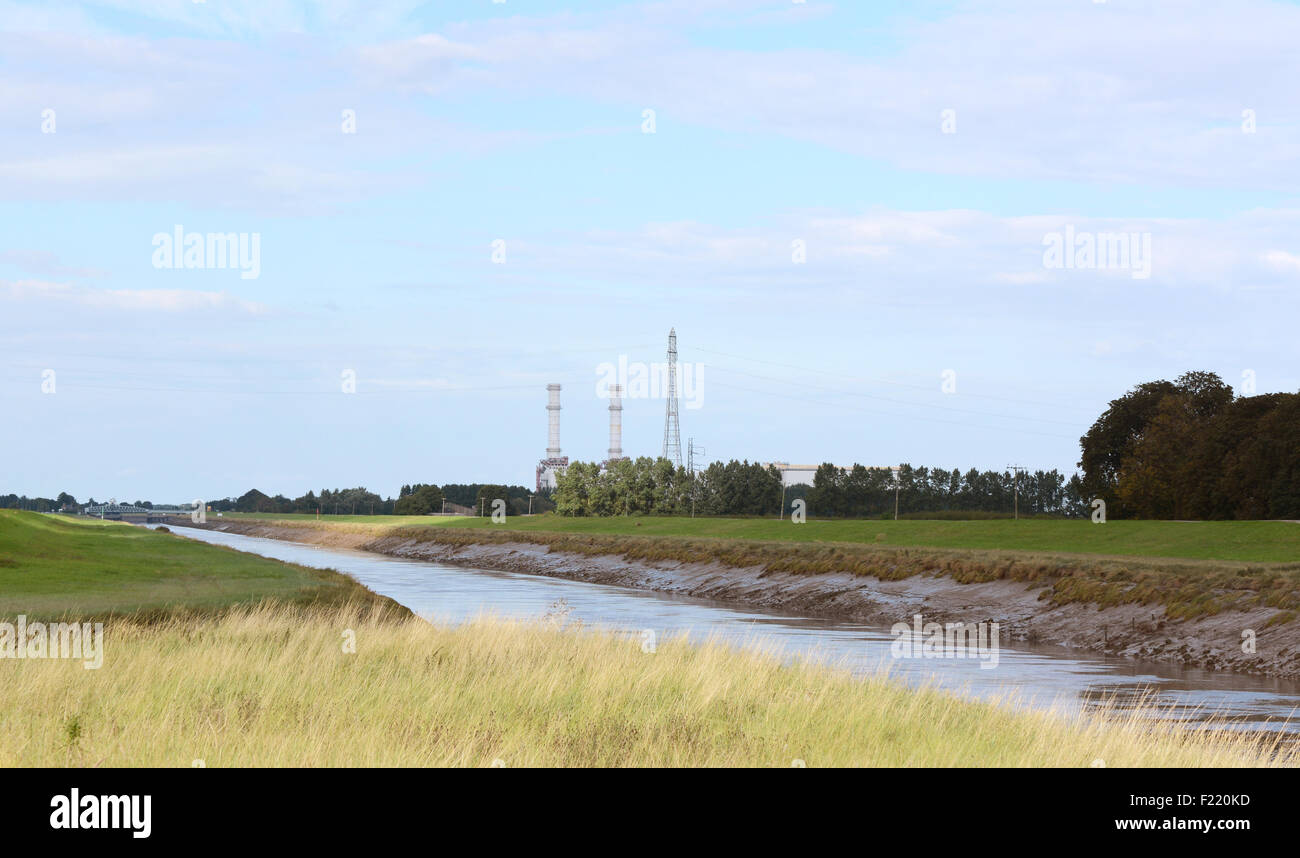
[(1082, 91), (1079, 92), (46, 264), (1282, 260), (131, 300), (1021, 278), (954, 256)]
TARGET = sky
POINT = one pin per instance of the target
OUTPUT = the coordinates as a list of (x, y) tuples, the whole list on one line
[(877, 228)]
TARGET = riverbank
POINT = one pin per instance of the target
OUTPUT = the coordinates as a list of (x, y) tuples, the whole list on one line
[(53, 567), (278, 680), (266, 686), (1257, 542), (1183, 611)]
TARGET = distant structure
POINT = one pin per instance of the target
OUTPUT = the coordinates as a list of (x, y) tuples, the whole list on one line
[(672, 431), (555, 463), (793, 475), (113, 511), (549, 469), (615, 423)]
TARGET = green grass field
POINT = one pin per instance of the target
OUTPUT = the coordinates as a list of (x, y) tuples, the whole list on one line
[(53, 566), (1243, 541)]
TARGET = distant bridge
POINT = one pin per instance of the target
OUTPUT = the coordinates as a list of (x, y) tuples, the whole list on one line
[(119, 511)]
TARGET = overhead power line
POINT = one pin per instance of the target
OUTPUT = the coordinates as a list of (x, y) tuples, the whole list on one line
[(898, 401), (888, 381)]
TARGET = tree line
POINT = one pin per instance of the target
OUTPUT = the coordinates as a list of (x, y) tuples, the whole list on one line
[(873, 492), (646, 486), (63, 502), (424, 499), (1191, 449), (413, 499), (12, 501)]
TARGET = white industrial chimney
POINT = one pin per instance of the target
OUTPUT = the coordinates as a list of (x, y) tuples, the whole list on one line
[(553, 415), (615, 422), (553, 465)]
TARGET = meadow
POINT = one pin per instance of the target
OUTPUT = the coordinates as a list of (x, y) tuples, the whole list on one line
[(54, 565), (267, 686)]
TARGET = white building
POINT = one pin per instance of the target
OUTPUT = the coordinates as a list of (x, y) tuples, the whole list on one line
[(793, 475)]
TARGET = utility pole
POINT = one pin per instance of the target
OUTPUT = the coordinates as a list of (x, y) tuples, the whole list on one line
[(898, 481), (690, 468), (780, 479), (1015, 483), (530, 504)]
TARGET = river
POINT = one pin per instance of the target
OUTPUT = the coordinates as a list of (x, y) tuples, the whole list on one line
[(1024, 675)]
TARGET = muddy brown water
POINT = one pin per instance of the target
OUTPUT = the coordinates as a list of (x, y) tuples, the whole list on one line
[(1027, 675)]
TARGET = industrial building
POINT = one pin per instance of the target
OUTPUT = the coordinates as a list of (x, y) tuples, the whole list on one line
[(555, 462), (550, 468), (793, 475)]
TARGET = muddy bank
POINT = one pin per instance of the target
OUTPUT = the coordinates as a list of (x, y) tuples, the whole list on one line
[(1024, 609)]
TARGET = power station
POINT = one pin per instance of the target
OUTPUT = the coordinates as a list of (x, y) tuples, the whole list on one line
[(554, 463)]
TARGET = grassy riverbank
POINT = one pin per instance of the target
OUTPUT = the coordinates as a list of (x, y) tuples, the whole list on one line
[(1243, 541), (51, 566), (259, 687), (1185, 588), (193, 670)]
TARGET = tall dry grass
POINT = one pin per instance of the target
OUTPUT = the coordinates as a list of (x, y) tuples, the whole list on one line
[(270, 687)]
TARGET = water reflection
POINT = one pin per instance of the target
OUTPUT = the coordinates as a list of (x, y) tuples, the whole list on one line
[(1032, 676)]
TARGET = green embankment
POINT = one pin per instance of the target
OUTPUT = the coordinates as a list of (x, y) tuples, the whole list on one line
[(52, 566), (1244, 541), (1192, 569)]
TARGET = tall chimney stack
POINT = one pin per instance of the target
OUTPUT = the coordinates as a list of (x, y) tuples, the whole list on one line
[(553, 419), (615, 422), (549, 469)]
